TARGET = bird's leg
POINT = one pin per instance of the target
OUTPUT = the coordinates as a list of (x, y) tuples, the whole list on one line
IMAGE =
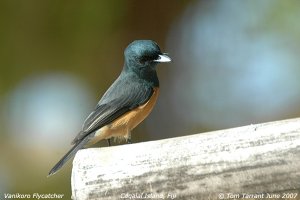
[(108, 142), (129, 141)]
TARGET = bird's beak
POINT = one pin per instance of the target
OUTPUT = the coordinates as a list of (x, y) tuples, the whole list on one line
[(163, 58)]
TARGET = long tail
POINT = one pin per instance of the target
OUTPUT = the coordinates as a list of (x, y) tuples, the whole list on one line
[(69, 155)]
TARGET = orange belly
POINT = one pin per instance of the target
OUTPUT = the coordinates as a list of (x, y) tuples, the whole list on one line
[(122, 126)]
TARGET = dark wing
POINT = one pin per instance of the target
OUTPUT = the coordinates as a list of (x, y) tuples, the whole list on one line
[(123, 96)]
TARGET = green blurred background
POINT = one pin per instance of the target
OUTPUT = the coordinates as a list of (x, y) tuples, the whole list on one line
[(234, 63)]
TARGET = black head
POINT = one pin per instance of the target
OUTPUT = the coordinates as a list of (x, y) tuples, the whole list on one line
[(143, 55)]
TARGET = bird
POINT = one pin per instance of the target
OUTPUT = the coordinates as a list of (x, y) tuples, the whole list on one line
[(126, 103)]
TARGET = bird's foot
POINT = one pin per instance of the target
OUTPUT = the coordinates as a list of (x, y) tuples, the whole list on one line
[(108, 142), (129, 141)]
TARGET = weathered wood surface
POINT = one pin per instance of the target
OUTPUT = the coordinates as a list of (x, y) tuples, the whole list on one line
[(261, 159)]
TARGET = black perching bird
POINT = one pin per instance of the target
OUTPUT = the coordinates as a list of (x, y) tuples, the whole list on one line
[(126, 103)]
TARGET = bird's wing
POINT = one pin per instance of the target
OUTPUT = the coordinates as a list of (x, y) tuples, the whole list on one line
[(117, 101)]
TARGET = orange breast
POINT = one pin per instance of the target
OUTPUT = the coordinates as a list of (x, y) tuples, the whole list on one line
[(123, 125)]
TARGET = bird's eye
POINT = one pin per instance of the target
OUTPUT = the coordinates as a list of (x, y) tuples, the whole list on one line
[(147, 58)]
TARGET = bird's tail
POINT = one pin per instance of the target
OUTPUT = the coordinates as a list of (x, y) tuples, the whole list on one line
[(69, 155)]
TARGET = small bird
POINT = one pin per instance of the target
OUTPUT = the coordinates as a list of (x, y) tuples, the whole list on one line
[(126, 103)]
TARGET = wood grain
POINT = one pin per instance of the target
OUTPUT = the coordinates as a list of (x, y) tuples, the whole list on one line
[(262, 159)]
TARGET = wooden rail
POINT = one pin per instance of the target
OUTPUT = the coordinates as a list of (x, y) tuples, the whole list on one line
[(250, 162)]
